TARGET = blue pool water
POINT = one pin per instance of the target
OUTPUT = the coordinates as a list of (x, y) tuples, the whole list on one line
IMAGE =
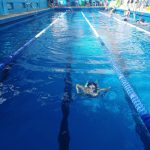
[(34, 111)]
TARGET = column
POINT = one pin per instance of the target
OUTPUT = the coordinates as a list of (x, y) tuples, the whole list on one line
[(4, 7)]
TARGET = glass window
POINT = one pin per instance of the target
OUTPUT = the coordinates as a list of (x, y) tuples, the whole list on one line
[(24, 5), (10, 6), (37, 5)]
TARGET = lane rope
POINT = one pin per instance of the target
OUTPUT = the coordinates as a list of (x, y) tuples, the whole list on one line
[(11, 58)]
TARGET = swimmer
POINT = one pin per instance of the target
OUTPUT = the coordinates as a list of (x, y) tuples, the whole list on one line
[(90, 89), (142, 22), (69, 10), (112, 11), (126, 15), (125, 19)]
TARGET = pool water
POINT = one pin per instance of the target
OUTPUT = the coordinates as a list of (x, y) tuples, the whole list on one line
[(39, 106)]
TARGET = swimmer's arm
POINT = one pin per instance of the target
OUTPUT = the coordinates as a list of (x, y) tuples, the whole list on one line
[(100, 90), (79, 87), (103, 89), (145, 24)]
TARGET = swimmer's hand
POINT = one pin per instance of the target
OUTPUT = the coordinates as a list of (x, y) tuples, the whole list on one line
[(77, 88), (109, 88), (104, 89)]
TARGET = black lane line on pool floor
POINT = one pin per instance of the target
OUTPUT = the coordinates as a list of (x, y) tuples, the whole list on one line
[(145, 116), (64, 136), (12, 57)]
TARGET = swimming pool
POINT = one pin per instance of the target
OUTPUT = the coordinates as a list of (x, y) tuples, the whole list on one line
[(34, 112)]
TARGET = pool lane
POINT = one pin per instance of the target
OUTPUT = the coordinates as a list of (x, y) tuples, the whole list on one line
[(134, 99), (101, 120), (31, 104), (131, 50)]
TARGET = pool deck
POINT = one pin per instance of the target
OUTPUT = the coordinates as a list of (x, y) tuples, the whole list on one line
[(2, 17), (133, 9)]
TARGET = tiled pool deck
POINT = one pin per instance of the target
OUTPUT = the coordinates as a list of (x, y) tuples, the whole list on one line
[(19, 14)]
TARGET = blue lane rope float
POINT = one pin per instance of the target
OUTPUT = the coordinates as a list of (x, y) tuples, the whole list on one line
[(145, 116), (12, 57)]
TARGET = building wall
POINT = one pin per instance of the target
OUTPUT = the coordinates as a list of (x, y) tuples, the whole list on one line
[(1, 9), (78, 2), (16, 6)]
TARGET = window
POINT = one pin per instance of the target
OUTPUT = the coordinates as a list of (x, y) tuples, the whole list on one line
[(24, 5), (10, 6), (37, 4)]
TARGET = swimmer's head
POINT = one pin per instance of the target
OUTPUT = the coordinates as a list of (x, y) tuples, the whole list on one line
[(92, 86), (125, 19), (142, 20), (138, 21)]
